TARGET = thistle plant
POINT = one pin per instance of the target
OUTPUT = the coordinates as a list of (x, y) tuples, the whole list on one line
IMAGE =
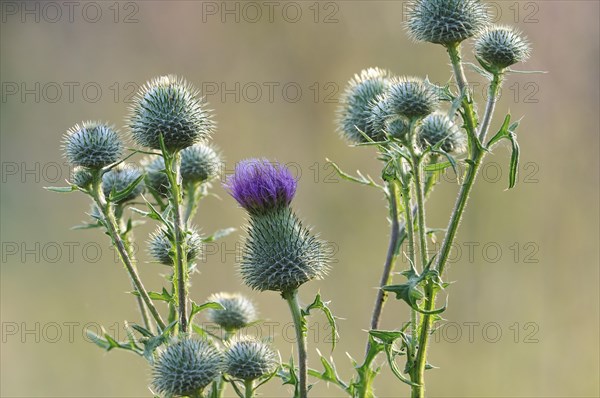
[(419, 129)]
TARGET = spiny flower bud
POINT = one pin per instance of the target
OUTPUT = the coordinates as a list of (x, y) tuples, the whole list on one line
[(199, 163), (186, 367), (356, 102), (249, 358), (378, 117), (238, 311), (156, 179), (501, 47), (412, 98), (446, 22), (169, 106), (119, 178), (93, 145), (161, 246), (280, 254), (260, 186), (82, 177), (438, 128), (398, 128)]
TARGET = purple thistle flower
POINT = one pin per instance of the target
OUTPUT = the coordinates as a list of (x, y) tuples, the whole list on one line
[(260, 186)]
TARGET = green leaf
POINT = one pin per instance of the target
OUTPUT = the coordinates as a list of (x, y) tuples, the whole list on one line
[(502, 133), (218, 235), (320, 305), (119, 196), (62, 189), (514, 160), (329, 373), (198, 308), (162, 296), (360, 180), (87, 226)]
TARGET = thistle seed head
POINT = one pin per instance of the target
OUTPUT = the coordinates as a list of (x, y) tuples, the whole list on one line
[(156, 180), (186, 367), (119, 178), (438, 128), (199, 163), (280, 254), (92, 144), (162, 249), (355, 105), (248, 359), (501, 47), (260, 186), (239, 312), (412, 98), (446, 22), (82, 177), (398, 128), (169, 106)]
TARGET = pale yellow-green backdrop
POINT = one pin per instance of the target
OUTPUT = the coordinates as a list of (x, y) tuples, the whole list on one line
[(523, 313)]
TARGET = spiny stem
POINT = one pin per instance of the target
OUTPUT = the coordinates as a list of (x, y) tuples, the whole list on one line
[(292, 299), (112, 228), (191, 201), (126, 236), (476, 157), (172, 168), (392, 254)]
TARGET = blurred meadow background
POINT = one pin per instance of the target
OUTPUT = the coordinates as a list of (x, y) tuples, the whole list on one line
[(523, 317)]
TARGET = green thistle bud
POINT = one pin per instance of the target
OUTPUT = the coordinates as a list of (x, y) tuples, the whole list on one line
[(156, 179), (412, 98), (119, 178), (186, 367), (199, 163), (438, 128), (356, 103), (239, 312), (248, 359), (161, 246), (280, 253), (501, 47), (398, 128), (82, 177), (169, 106), (446, 22), (93, 145)]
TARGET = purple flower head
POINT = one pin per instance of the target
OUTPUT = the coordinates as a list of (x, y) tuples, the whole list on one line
[(260, 186)]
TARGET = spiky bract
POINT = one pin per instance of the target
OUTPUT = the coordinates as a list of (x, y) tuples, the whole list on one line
[(439, 129), (260, 186), (119, 178), (170, 107), (199, 163), (280, 253), (238, 311), (501, 47), (355, 105), (446, 22), (411, 97), (249, 359), (186, 367), (93, 145), (161, 246), (156, 179)]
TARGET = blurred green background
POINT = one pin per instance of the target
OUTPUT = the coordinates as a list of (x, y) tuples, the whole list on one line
[(523, 317)]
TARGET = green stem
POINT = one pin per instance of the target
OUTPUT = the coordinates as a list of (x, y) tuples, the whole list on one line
[(410, 249), (128, 241), (191, 201), (113, 229), (248, 388), (493, 90), (172, 168), (292, 299), (392, 254), (476, 157)]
